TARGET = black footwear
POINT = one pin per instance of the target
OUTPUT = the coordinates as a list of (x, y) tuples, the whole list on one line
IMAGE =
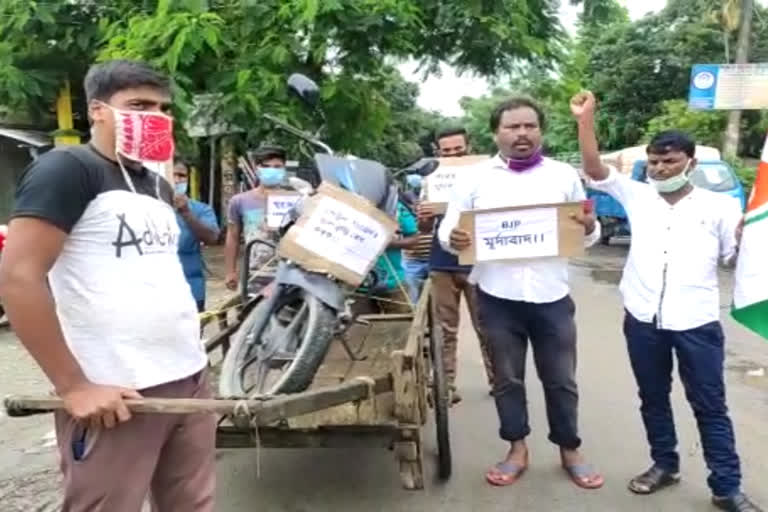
[(653, 480), (737, 503)]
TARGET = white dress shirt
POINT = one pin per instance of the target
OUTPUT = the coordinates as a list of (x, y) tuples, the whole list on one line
[(491, 184), (670, 277)]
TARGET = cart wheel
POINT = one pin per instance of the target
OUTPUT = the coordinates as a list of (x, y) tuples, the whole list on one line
[(440, 398)]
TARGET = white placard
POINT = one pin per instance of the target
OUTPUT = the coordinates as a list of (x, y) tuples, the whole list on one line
[(440, 185), (278, 205), (343, 235), (516, 234)]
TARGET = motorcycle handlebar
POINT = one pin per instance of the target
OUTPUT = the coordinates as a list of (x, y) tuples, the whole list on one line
[(299, 133)]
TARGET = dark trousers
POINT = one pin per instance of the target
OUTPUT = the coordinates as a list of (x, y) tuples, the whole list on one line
[(508, 326), (700, 356)]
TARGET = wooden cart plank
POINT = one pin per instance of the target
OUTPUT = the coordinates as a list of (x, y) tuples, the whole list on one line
[(267, 411), (344, 436)]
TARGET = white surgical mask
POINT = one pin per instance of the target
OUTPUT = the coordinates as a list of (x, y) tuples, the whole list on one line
[(674, 183)]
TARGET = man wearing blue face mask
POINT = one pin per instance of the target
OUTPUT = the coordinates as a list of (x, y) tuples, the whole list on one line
[(670, 288), (198, 225), (247, 211)]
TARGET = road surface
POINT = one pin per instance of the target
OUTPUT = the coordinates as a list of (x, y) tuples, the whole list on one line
[(351, 481)]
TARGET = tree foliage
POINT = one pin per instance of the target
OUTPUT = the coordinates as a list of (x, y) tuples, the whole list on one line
[(242, 51)]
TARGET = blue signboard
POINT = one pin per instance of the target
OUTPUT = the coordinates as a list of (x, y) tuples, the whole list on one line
[(703, 86)]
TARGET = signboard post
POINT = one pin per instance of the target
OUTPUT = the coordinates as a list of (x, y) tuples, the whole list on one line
[(729, 87), (522, 232)]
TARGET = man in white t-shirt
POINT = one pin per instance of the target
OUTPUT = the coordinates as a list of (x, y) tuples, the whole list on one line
[(95, 290), (672, 301)]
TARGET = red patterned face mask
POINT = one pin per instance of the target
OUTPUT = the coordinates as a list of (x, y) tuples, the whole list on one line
[(143, 136)]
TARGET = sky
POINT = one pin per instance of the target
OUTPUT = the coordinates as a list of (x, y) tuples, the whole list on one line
[(444, 92)]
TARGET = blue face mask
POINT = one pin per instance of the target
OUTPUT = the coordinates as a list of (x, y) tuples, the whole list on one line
[(180, 188), (413, 180), (271, 177)]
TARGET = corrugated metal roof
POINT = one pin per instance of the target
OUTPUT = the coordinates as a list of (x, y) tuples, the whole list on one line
[(30, 137)]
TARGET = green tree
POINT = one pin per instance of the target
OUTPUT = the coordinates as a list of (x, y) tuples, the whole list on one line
[(635, 67), (706, 126), (242, 50)]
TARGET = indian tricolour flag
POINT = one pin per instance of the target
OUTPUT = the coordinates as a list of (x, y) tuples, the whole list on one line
[(750, 296)]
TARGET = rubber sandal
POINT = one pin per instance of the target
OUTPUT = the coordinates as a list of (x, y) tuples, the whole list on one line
[(653, 480), (584, 476), (505, 473)]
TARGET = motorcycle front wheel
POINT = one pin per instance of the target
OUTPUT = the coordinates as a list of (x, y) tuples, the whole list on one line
[(309, 324)]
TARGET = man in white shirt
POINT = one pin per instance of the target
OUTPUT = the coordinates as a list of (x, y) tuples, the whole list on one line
[(518, 301), (670, 290)]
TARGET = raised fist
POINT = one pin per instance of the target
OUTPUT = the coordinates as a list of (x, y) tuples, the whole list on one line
[(583, 104)]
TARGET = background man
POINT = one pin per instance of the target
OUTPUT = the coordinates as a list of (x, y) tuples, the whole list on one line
[(672, 300), (198, 225), (93, 286), (518, 301), (247, 213), (449, 279)]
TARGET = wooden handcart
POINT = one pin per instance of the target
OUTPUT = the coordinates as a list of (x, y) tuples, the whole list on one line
[(376, 387)]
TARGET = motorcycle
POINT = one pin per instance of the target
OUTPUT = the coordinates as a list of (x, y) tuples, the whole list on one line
[(286, 330)]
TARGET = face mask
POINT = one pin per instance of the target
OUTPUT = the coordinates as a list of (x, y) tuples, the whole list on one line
[(143, 136), (520, 165), (413, 180), (271, 177), (180, 188), (674, 183)]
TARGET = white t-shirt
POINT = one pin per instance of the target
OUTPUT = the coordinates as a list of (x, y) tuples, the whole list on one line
[(126, 310)]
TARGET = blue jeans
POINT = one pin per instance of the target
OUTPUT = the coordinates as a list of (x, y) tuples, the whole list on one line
[(700, 357), (416, 272)]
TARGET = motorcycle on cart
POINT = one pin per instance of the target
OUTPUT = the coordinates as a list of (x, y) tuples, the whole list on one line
[(305, 329)]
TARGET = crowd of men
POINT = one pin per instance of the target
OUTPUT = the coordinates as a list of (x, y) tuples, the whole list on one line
[(102, 255)]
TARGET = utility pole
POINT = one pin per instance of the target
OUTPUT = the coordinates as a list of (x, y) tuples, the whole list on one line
[(731, 145)]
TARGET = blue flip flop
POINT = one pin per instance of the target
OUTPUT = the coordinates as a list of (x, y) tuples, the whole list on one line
[(508, 473), (578, 473)]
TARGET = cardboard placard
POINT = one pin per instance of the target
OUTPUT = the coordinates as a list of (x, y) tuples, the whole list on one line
[(522, 232), (339, 233), (439, 184), (279, 203)]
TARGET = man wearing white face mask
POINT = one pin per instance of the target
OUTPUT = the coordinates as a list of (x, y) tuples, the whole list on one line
[(247, 213), (92, 284), (679, 235)]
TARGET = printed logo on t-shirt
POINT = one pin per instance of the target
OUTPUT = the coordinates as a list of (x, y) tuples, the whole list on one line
[(151, 238)]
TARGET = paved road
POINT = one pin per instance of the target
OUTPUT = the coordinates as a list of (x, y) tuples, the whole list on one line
[(341, 481)]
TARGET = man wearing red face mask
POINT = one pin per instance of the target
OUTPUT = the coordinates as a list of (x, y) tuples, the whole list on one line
[(94, 288)]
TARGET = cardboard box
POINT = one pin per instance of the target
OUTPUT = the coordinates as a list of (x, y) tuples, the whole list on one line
[(339, 233), (523, 232)]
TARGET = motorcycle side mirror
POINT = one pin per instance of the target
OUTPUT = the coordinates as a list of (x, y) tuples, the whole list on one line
[(423, 167), (305, 88)]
